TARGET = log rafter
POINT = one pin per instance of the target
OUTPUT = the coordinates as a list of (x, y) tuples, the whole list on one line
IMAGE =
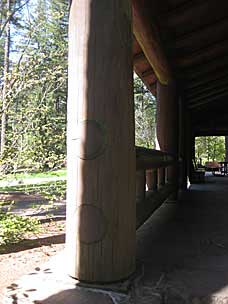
[(208, 100), (148, 37)]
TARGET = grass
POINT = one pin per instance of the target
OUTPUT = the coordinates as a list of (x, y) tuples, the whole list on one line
[(32, 175), (34, 188), (14, 228)]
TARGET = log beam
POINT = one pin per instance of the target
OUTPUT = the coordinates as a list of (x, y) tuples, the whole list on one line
[(208, 95), (100, 243), (148, 38), (214, 98), (203, 70), (203, 55), (204, 81), (214, 85)]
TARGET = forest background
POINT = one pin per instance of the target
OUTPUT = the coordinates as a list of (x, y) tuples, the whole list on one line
[(33, 90)]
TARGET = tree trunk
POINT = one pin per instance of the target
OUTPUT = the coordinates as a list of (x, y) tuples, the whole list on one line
[(5, 84)]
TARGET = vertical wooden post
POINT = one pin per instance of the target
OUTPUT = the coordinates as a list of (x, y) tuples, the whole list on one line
[(100, 242), (182, 143), (152, 180), (161, 177), (167, 125), (140, 185)]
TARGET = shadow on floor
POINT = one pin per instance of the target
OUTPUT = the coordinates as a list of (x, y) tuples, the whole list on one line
[(184, 247)]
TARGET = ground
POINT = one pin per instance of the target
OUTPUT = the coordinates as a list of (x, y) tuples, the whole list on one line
[(19, 259), (182, 254)]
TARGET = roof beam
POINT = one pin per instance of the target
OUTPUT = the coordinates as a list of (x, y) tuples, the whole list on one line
[(208, 100), (203, 55), (139, 58), (214, 66), (147, 36), (193, 14), (207, 95), (148, 73), (204, 81), (202, 36), (214, 85)]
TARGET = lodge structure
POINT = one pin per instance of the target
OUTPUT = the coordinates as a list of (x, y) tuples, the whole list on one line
[(179, 48)]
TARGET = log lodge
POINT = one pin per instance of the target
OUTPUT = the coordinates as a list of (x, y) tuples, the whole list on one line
[(179, 48)]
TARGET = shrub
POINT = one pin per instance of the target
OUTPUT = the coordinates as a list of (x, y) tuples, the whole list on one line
[(14, 228)]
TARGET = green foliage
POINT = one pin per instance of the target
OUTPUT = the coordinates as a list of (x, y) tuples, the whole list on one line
[(14, 228), (210, 148), (145, 115), (36, 94), (54, 192)]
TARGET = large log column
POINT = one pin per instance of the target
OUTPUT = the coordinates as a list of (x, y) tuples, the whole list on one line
[(167, 125), (100, 239), (183, 136)]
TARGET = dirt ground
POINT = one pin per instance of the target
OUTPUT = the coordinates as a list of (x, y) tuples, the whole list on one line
[(19, 259)]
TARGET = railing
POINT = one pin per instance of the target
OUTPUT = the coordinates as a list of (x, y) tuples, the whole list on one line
[(152, 184)]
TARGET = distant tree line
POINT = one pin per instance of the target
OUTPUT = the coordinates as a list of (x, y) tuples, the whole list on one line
[(211, 148)]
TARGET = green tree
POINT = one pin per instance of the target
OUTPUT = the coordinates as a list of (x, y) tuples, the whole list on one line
[(210, 148), (145, 115), (37, 99)]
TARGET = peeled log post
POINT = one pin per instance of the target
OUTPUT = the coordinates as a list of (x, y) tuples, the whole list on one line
[(100, 243), (152, 180), (140, 185), (167, 125), (162, 177)]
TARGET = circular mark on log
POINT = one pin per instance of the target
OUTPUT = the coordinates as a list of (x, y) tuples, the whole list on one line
[(92, 139), (91, 224)]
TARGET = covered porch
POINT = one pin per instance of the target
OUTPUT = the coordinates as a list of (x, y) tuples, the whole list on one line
[(179, 50)]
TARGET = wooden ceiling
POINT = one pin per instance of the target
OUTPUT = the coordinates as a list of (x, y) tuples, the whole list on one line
[(194, 37)]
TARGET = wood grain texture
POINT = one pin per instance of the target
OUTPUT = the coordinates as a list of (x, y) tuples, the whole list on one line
[(167, 124), (148, 37), (101, 152)]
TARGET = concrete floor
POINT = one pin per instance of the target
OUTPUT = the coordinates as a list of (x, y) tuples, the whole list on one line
[(184, 247), (182, 252)]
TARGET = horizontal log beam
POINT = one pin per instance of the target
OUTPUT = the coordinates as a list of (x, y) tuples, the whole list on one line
[(215, 85), (200, 37), (152, 159), (203, 55), (152, 202), (208, 100), (148, 38), (202, 70), (207, 95), (193, 15), (148, 73), (212, 132), (139, 58), (206, 80)]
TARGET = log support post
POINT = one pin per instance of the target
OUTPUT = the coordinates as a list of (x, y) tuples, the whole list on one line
[(167, 127), (100, 242), (183, 137), (140, 185), (152, 180), (162, 177), (189, 147)]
